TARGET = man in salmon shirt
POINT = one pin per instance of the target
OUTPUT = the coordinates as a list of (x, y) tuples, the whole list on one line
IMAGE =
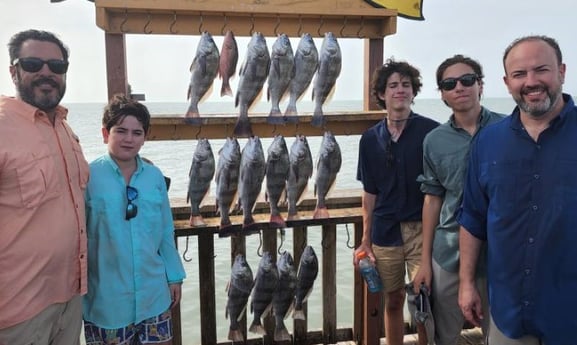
[(43, 175)]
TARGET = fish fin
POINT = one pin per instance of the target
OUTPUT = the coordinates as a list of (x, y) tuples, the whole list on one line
[(257, 328), (318, 119), (196, 221), (299, 315), (281, 333), (277, 221), (321, 213), (235, 335), (225, 90), (243, 127), (188, 92), (206, 94), (289, 310)]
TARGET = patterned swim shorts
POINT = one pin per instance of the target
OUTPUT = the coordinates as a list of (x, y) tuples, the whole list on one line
[(154, 330)]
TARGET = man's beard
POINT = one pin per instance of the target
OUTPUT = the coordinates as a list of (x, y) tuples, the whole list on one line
[(542, 108), (43, 101)]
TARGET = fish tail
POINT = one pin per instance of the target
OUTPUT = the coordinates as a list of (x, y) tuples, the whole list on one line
[(257, 328), (299, 314), (281, 333), (318, 119), (192, 110), (243, 127), (321, 213), (277, 220), (225, 90), (275, 117), (196, 220), (235, 335)]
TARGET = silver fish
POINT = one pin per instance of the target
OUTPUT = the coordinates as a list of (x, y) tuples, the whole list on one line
[(326, 77), (227, 173), (203, 71), (265, 284), (307, 273), (238, 289), (277, 173), (306, 63), (252, 171), (252, 75), (301, 170), (228, 61), (200, 174), (282, 70), (283, 299), (328, 165)]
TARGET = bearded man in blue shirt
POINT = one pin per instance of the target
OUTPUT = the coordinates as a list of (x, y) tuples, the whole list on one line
[(520, 196)]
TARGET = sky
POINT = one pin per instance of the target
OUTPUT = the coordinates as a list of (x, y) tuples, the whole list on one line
[(158, 65)]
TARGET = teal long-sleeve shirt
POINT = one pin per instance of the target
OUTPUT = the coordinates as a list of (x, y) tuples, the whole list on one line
[(130, 262)]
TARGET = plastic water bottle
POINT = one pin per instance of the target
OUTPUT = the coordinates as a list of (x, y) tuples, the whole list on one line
[(369, 272)]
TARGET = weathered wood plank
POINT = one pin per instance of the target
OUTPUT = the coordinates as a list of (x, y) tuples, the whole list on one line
[(207, 291), (238, 246), (329, 262), (299, 244), (116, 74), (269, 243), (359, 291)]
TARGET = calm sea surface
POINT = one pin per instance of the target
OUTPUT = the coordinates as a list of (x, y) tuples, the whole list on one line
[(174, 158)]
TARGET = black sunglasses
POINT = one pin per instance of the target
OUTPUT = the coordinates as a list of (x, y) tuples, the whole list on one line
[(389, 156), (131, 209), (466, 80), (34, 64)]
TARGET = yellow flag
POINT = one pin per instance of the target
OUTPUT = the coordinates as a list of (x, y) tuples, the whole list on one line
[(410, 9)]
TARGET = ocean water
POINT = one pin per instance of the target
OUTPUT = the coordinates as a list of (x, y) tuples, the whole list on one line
[(174, 158)]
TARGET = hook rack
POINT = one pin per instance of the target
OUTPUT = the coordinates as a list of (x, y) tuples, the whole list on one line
[(267, 17)]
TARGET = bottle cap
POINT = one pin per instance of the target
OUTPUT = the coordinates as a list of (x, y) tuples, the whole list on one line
[(361, 255)]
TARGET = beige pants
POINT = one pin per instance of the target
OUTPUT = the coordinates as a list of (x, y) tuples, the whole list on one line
[(498, 338), (58, 324)]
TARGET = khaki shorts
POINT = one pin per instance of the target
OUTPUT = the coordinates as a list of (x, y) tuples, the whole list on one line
[(393, 263)]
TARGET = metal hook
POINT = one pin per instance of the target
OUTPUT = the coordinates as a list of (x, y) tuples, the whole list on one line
[(300, 30), (282, 236), (348, 237), (259, 249), (320, 26), (343, 28), (174, 133), (251, 24), (200, 25), (323, 244), (361, 28), (172, 31), (224, 25), (273, 129), (147, 24), (122, 29), (186, 251), (197, 133), (277, 25)]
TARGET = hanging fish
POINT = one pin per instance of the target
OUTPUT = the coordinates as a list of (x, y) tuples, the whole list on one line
[(252, 171), (328, 165), (282, 70), (203, 70), (228, 61), (265, 284), (238, 291), (301, 169), (306, 62), (307, 273), (252, 75), (227, 173), (200, 174), (277, 173), (326, 77), (283, 298)]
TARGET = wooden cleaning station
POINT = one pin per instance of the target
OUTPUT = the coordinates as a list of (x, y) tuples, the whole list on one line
[(346, 19)]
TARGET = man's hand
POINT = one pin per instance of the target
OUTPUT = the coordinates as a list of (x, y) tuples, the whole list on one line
[(470, 303), (175, 294)]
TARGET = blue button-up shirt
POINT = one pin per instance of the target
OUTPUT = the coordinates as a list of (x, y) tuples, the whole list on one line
[(521, 197), (398, 198), (130, 262)]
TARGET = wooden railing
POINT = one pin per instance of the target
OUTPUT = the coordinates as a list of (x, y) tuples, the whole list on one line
[(344, 209)]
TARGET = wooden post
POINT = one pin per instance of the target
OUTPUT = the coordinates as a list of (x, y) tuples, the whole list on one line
[(207, 288), (373, 59), (116, 64), (270, 245), (299, 244), (238, 246), (329, 244)]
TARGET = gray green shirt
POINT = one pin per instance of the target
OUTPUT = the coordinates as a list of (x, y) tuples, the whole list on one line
[(445, 156)]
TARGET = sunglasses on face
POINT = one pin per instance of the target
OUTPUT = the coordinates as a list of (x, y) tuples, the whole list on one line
[(131, 209), (465, 80), (33, 65)]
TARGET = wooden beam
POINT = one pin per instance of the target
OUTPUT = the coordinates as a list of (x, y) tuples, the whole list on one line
[(373, 60), (207, 290), (116, 64), (345, 18), (329, 262)]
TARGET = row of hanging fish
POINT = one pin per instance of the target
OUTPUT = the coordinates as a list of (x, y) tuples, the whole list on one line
[(277, 288), (240, 175), (287, 73)]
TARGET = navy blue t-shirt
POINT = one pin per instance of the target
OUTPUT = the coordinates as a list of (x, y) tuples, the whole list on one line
[(392, 176)]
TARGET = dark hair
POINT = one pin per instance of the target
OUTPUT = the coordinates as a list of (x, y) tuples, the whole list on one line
[(455, 59), (383, 73), (119, 107), (550, 41), (18, 39)]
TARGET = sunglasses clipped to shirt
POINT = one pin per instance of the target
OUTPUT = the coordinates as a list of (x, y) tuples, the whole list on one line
[(131, 209), (466, 80), (34, 64)]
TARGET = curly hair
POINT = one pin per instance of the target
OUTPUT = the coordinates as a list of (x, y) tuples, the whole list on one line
[(384, 72), (119, 107), (18, 39)]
